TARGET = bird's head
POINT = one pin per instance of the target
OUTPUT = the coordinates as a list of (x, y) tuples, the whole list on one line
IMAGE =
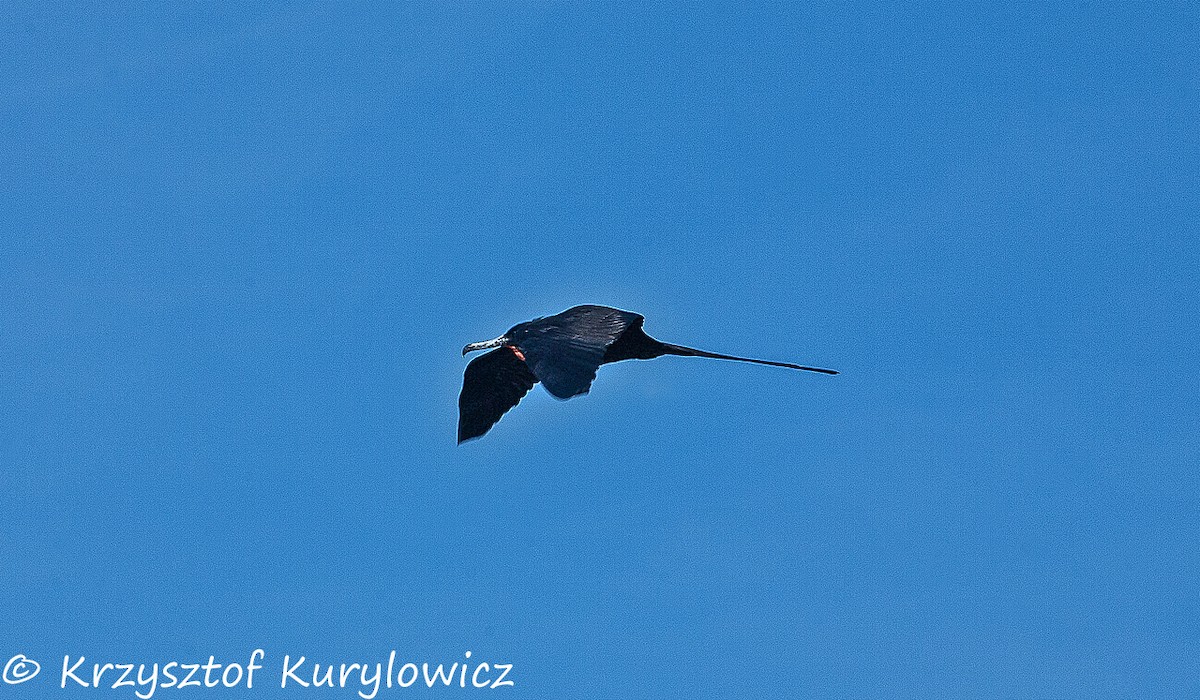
[(486, 344)]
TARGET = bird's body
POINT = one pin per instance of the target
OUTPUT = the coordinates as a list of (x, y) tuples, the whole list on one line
[(562, 352)]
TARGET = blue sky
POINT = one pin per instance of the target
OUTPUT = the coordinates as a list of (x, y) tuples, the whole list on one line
[(243, 247)]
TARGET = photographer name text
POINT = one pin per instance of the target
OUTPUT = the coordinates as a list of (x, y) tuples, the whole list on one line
[(289, 671)]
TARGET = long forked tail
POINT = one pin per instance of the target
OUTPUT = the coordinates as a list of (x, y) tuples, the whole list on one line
[(693, 352)]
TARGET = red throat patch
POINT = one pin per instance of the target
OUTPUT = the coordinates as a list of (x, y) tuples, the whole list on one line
[(517, 352)]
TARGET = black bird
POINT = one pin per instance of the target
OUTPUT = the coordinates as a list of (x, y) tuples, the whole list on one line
[(563, 352)]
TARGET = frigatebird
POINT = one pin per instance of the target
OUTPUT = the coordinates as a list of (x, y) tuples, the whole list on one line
[(563, 352)]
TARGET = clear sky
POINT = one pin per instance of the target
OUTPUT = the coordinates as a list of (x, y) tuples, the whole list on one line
[(242, 247)]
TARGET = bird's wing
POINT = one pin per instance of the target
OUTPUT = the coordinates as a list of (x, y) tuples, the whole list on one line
[(568, 348), (493, 383)]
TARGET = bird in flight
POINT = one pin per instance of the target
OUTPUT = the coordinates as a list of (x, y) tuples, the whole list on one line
[(562, 352)]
